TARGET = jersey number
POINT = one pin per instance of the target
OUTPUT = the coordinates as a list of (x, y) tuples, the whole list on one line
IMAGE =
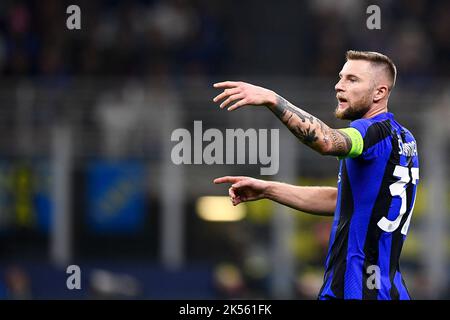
[(398, 188)]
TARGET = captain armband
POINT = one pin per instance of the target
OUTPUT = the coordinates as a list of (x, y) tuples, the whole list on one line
[(357, 142)]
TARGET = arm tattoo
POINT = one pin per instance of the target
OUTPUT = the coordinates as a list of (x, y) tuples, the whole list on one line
[(341, 142), (310, 130)]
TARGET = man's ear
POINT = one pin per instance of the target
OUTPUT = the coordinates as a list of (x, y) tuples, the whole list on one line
[(380, 92)]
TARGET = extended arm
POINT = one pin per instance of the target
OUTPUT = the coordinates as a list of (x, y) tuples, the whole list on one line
[(311, 130), (307, 128), (314, 200)]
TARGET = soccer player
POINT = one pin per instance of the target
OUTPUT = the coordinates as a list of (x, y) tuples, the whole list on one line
[(377, 182)]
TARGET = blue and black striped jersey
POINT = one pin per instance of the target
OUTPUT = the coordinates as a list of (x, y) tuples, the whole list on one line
[(376, 195)]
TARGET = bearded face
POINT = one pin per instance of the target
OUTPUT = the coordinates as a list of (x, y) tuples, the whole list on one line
[(352, 109), (354, 91)]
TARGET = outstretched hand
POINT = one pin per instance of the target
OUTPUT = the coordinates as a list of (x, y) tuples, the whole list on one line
[(244, 188), (244, 94)]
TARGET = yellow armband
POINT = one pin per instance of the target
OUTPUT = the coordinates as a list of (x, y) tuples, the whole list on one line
[(357, 142)]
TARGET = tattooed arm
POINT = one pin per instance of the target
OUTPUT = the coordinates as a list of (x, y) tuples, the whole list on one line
[(307, 128), (311, 130)]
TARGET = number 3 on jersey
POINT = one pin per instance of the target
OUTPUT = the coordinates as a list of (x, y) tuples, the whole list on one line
[(398, 188)]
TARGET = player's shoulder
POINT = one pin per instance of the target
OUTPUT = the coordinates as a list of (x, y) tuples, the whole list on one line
[(381, 122), (407, 132), (398, 128)]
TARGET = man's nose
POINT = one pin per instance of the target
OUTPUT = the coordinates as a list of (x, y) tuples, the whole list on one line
[(338, 87)]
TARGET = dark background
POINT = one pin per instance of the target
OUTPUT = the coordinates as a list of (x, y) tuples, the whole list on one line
[(86, 118)]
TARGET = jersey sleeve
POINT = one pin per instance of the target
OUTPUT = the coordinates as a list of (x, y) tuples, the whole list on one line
[(364, 133)]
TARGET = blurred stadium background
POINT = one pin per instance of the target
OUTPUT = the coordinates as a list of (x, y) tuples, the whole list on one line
[(86, 118)]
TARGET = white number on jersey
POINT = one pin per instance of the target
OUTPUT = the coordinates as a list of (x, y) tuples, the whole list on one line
[(398, 188)]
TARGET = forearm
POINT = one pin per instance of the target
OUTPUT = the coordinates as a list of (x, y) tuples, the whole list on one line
[(314, 200), (309, 129)]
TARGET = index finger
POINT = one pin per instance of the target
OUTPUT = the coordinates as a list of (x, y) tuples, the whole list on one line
[(227, 179), (225, 84)]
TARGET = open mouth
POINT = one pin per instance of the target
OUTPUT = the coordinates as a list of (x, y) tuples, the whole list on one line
[(341, 99)]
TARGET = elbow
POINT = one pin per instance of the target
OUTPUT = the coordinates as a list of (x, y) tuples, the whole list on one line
[(330, 150), (324, 149)]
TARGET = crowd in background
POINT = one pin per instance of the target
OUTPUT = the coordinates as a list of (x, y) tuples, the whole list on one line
[(180, 37)]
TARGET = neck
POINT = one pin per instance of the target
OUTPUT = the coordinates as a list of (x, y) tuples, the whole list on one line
[(375, 110)]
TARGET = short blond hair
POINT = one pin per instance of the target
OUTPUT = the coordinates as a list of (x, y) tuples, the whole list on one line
[(377, 59)]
